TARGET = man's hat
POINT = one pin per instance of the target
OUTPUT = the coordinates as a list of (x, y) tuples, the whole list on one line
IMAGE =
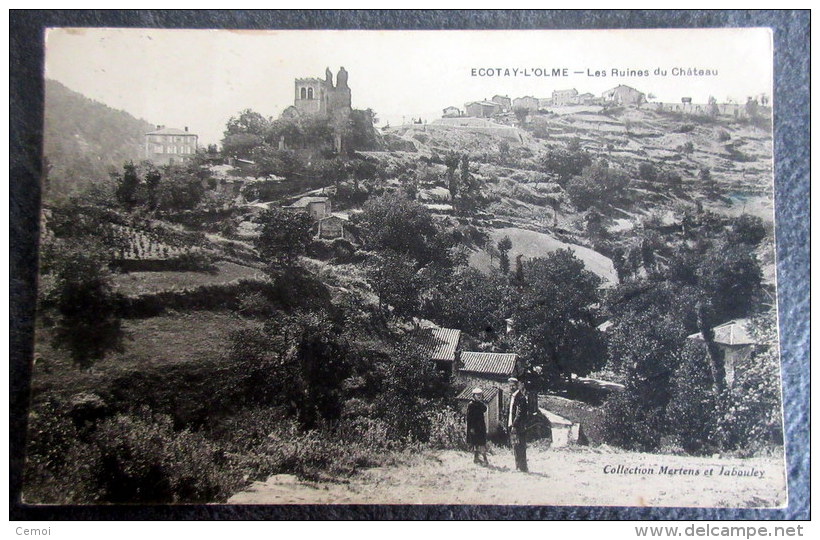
[(478, 391)]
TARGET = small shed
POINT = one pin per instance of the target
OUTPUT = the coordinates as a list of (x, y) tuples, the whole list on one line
[(316, 207), (334, 226), (736, 342)]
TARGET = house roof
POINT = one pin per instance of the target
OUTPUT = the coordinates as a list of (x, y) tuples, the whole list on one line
[(489, 392), (487, 103), (622, 86), (170, 131), (304, 201), (440, 343), (734, 332), (488, 363)]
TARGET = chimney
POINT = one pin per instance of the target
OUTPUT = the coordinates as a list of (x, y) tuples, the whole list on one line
[(186, 128)]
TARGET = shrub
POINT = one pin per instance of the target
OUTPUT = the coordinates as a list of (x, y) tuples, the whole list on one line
[(143, 460), (648, 172), (447, 430), (747, 229), (254, 304)]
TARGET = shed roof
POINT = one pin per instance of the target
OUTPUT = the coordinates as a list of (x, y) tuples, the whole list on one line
[(734, 332), (489, 392), (304, 201), (440, 343), (488, 363)]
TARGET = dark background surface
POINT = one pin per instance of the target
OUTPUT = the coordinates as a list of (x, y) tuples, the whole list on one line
[(791, 145)]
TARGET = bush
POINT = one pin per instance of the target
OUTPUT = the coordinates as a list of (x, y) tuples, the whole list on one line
[(447, 427), (143, 460), (747, 229), (254, 304), (648, 172)]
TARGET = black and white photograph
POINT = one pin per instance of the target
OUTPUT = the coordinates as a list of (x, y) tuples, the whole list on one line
[(473, 267)]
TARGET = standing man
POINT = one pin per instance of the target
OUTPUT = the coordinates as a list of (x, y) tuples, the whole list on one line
[(517, 424), (477, 427)]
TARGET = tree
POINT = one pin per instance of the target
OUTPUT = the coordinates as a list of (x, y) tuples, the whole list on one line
[(566, 163), (248, 121), (127, 185), (394, 222), (708, 184), (647, 171), (730, 278), (521, 114), (181, 188), (598, 184), (152, 180), (269, 161), (451, 161), (84, 307), (245, 132), (650, 325), (747, 229), (284, 236), (410, 390), (470, 197), (398, 285), (476, 303), (504, 247), (556, 313)]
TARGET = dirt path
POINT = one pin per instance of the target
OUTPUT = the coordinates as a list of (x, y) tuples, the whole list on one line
[(556, 477)]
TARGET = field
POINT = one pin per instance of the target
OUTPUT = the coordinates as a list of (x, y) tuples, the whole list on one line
[(198, 336), (533, 244), (134, 283), (574, 476)]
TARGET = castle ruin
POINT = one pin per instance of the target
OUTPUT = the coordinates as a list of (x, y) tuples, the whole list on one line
[(317, 96)]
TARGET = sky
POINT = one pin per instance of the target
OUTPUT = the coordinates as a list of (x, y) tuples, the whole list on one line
[(200, 78)]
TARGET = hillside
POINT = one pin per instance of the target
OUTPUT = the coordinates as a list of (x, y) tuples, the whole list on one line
[(83, 139)]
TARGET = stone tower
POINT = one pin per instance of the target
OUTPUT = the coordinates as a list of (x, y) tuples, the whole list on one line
[(317, 96)]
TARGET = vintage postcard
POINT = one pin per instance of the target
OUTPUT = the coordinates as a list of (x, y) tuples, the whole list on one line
[(407, 267)]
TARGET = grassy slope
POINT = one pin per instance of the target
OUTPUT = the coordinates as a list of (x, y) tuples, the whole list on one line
[(134, 283), (199, 336), (534, 244)]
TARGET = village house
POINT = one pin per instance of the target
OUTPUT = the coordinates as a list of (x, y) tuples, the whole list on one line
[(736, 343), (587, 98), (527, 102), (441, 345), (334, 226), (481, 109), (503, 101), (564, 97), (451, 112), (170, 146), (316, 207), (488, 368), (625, 96)]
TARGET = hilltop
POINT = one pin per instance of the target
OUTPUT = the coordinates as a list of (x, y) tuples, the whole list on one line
[(83, 139)]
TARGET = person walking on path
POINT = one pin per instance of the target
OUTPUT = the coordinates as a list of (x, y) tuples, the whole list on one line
[(477, 426), (517, 424)]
